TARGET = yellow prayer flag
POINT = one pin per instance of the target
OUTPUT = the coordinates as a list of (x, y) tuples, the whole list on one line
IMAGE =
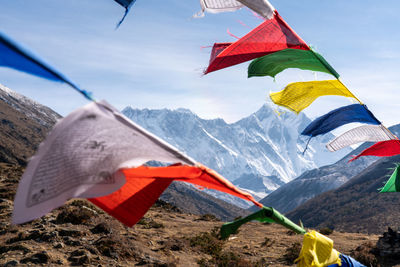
[(317, 251), (297, 96)]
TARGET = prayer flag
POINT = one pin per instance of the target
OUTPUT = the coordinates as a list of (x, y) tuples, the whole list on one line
[(127, 4), (393, 184), (145, 184), (364, 133), (216, 6), (12, 56), (96, 152), (266, 214), (272, 64), (339, 117), (347, 261), (262, 7), (317, 250), (382, 149), (269, 37), (297, 96)]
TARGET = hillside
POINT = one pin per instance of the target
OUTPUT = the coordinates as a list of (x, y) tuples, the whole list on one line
[(80, 234), (356, 206), (23, 125), (314, 182)]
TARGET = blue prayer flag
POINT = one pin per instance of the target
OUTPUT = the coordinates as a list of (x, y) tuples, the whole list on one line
[(14, 57), (339, 117), (127, 4), (347, 261)]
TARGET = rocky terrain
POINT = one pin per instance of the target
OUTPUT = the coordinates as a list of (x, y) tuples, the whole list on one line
[(80, 234), (356, 206)]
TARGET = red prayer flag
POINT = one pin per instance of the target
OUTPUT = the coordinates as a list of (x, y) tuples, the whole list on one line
[(381, 149), (144, 185), (269, 37)]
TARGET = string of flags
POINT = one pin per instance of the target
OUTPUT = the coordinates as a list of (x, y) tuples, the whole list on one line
[(99, 154), (317, 249), (273, 47)]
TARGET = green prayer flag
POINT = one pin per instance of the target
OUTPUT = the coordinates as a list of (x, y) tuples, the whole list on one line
[(393, 184), (272, 64), (265, 215)]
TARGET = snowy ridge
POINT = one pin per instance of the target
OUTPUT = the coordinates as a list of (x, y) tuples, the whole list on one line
[(42, 114), (259, 153)]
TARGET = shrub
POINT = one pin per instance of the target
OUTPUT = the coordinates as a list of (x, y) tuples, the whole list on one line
[(149, 223), (208, 217), (292, 253), (326, 231)]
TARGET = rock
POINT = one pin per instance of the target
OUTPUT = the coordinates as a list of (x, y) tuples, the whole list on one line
[(71, 242), (11, 263), (79, 257), (75, 215), (388, 245), (37, 258), (107, 247), (58, 245), (101, 228), (68, 232), (19, 247)]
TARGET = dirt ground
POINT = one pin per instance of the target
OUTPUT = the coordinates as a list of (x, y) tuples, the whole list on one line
[(80, 234)]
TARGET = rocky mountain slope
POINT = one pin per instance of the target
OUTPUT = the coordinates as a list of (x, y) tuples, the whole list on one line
[(258, 153), (23, 125), (79, 234), (356, 206), (314, 182)]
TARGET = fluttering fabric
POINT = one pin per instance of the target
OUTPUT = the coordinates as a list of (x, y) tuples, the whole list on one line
[(265, 215), (12, 56), (393, 184), (364, 133), (272, 64), (262, 7), (216, 6), (318, 251), (347, 261), (297, 96), (96, 151), (145, 184), (269, 37), (339, 117), (127, 4), (382, 149)]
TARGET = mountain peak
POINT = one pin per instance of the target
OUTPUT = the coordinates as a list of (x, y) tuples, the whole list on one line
[(261, 146)]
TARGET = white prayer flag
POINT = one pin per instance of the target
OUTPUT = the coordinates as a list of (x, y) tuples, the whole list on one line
[(365, 133), (262, 7), (81, 157)]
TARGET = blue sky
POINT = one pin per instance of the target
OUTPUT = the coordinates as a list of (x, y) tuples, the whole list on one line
[(155, 59)]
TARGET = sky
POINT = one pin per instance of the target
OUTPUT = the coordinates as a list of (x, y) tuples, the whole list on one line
[(157, 56)]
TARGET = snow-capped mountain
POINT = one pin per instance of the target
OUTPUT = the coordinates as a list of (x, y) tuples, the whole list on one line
[(258, 153)]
